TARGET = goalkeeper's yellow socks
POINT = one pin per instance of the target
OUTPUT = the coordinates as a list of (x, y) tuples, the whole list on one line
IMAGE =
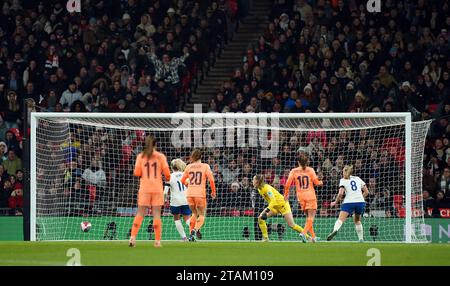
[(299, 229), (136, 225), (200, 222), (157, 226), (263, 227)]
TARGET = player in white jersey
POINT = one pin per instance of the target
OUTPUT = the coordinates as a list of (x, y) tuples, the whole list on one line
[(178, 202), (354, 202)]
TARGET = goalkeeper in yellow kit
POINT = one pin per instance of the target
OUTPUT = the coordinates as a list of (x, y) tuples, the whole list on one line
[(277, 205)]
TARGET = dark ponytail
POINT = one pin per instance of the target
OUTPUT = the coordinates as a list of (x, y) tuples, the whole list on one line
[(149, 147)]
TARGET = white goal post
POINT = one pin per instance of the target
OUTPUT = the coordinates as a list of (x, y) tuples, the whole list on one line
[(81, 170)]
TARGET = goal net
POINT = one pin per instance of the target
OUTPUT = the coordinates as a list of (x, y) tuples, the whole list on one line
[(82, 170)]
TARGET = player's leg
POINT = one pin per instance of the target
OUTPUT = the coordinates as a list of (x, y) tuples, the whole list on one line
[(201, 212), (178, 224), (193, 208), (285, 210), (157, 225), (265, 214), (187, 219), (192, 224), (359, 228), (137, 222), (157, 201), (291, 223), (310, 223), (186, 211), (303, 205), (337, 225), (359, 211)]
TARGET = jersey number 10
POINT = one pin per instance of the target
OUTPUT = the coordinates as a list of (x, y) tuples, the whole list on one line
[(303, 182)]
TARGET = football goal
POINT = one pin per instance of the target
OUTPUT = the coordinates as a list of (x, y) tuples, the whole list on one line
[(82, 171)]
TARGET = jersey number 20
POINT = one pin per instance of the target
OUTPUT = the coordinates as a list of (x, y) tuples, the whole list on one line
[(195, 178)]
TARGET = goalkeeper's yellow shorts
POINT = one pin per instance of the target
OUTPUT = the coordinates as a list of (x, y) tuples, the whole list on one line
[(282, 208)]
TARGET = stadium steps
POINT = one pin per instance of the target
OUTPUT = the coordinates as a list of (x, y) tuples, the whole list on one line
[(232, 56)]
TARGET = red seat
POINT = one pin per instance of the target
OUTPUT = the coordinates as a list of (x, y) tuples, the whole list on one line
[(249, 213), (398, 199)]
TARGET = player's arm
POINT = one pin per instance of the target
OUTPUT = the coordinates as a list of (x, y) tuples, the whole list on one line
[(184, 178), (264, 213), (210, 177), (315, 179), (137, 167), (365, 191), (288, 185), (339, 197), (165, 168), (166, 190)]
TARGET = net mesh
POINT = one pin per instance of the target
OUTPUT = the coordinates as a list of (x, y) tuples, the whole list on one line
[(84, 168)]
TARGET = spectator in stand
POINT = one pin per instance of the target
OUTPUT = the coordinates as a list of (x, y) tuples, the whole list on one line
[(3, 175), (12, 163), (71, 95), (15, 201), (3, 129), (3, 152), (12, 111), (428, 204), (440, 203), (443, 183), (6, 189)]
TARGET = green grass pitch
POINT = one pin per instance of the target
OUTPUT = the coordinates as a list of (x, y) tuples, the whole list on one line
[(222, 253)]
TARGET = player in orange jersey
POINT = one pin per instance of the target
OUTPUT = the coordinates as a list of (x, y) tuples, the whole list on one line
[(305, 179), (150, 166), (197, 172)]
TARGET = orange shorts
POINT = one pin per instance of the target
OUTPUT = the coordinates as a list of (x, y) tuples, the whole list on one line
[(150, 199), (308, 204), (196, 202)]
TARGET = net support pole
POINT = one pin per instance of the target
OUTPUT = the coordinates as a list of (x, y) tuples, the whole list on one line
[(26, 174), (33, 125), (408, 205)]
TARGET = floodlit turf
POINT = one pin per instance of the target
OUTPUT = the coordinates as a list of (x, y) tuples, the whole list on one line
[(222, 253)]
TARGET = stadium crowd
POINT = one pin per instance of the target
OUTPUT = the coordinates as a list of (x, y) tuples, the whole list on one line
[(314, 56)]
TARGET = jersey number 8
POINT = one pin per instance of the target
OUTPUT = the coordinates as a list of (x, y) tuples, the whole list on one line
[(353, 185)]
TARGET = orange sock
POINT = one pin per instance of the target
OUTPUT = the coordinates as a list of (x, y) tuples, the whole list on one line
[(136, 225), (200, 221), (309, 227), (192, 223), (157, 227)]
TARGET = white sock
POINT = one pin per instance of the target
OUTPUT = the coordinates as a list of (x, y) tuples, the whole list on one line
[(337, 225), (359, 231), (180, 228), (188, 222)]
